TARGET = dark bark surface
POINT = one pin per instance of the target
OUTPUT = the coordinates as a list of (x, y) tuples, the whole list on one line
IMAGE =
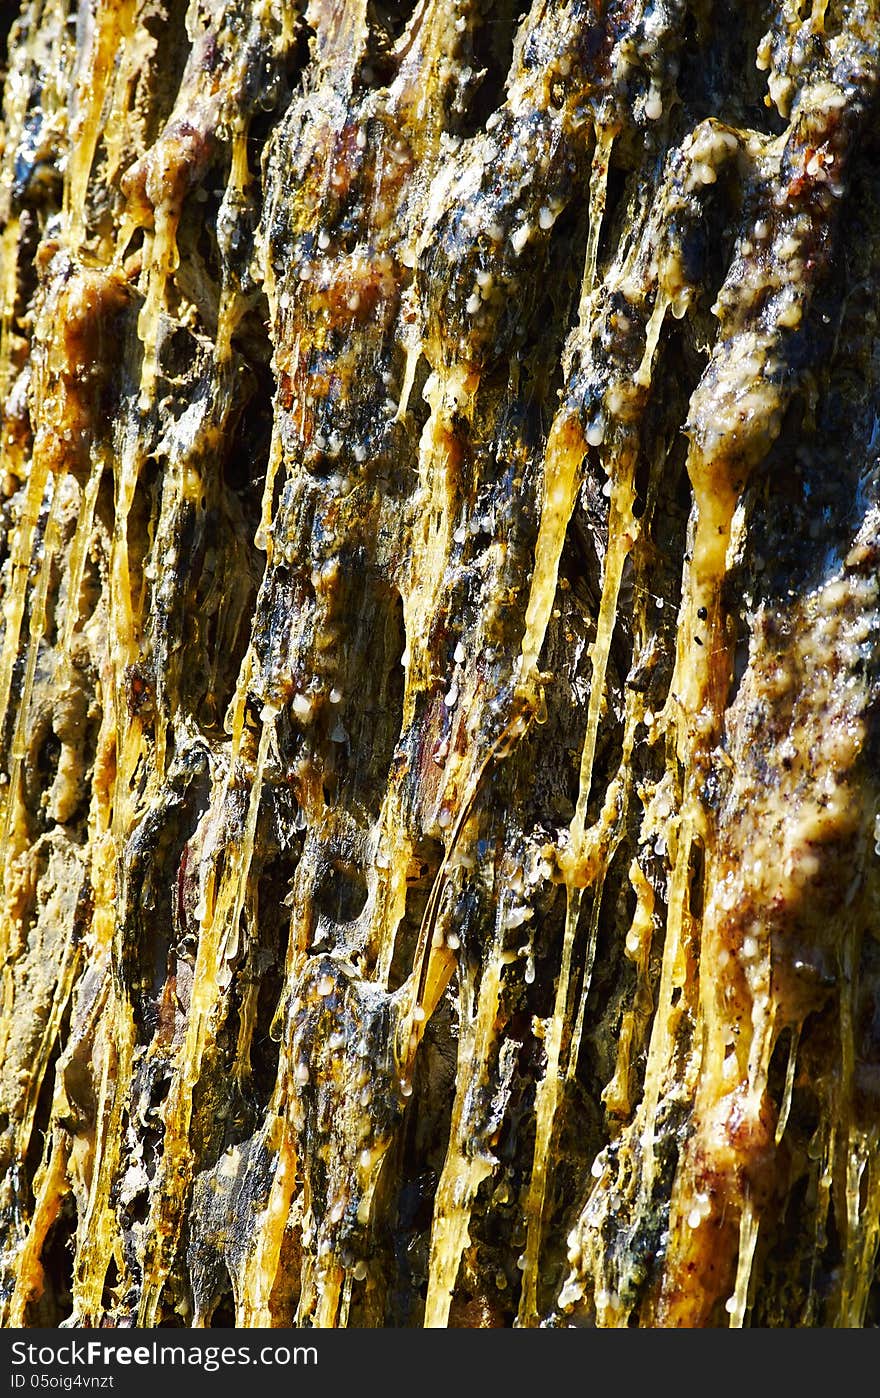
[(440, 663)]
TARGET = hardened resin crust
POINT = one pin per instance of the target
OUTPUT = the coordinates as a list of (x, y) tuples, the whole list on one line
[(439, 663)]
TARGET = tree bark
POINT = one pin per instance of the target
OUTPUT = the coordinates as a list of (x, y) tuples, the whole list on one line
[(440, 663)]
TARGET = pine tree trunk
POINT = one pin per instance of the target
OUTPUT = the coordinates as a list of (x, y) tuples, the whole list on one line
[(440, 663)]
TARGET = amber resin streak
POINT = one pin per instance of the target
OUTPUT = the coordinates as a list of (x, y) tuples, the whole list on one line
[(440, 663)]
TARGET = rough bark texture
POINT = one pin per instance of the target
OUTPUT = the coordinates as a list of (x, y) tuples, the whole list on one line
[(440, 663)]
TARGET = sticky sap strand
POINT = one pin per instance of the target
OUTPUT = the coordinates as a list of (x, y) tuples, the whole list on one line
[(605, 136), (565, 450), (642, 922), (181, 485), (125, 483), (818, 15), (11, 846), (247, 1018), (464, 1169), (398, 848), (547, 1097), (172, 496), (111, 32), (261, 1266), (667, 1015), (160, 260), (51, 1188), (51, 542), (546, 1102), (330, 1281), (46, 1188), (78, 552), (859, 1151), (863, 1226), (64, 985), (340, 44), (21, 551), (230, 309), (328, 1288), (652, 338), (448, 391), (820, 1147), (345, 1303), (433, 961), (218, 939), (665, 1030), (690, 689), (617, 1095), (549, 1088), (763, 1039), (133, 53), (785, 1105), (748, 1237), (229, 943), (98, 1232), (128, 614), (605, 854), (16, 103), (562, 460), (263, 536), (9, 272), (621, 531)]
